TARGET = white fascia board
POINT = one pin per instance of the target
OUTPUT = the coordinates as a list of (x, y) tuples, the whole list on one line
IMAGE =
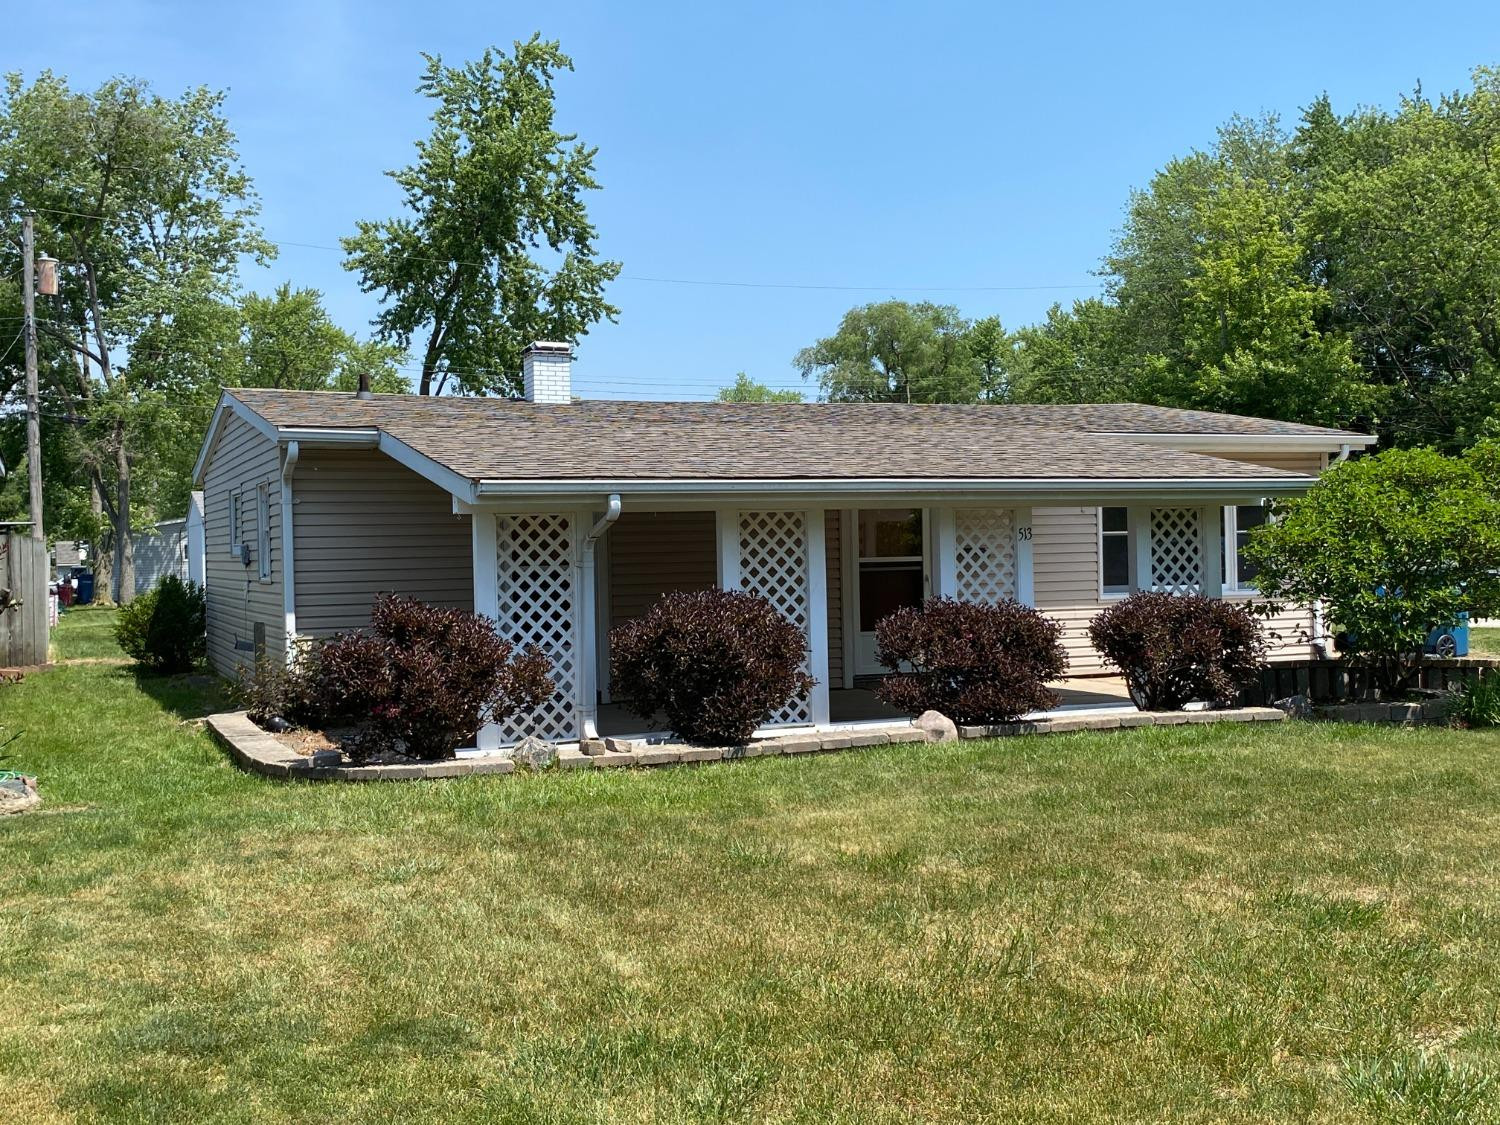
[(1249, 443), (458, 486), (329, 435), (226, 406), (493, 492)]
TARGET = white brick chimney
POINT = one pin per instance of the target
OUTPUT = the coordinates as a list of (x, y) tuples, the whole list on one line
[(546, 367)]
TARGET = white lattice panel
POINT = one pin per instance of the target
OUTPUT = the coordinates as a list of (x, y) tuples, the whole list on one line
[(535, 583), (1176, 551), (984, 554), (773, 564)]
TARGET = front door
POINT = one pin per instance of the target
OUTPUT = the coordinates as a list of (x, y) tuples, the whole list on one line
[(889, 573)]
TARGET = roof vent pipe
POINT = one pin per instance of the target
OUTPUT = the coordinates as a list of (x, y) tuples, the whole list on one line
[(364, 385)]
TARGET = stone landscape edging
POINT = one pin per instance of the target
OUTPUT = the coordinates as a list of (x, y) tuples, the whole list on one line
[(257, 751)]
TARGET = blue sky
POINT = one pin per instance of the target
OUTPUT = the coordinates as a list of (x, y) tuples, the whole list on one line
[(976, 154)]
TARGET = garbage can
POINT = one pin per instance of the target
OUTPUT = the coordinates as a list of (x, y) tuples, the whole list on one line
[(65, 593), (85, 589)]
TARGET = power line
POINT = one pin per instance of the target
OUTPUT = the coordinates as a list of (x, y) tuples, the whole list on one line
[(704, 282)]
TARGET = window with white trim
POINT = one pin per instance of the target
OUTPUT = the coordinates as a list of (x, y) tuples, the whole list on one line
[(1114, 551), (234, 524), (263, 529), (1239, 521)]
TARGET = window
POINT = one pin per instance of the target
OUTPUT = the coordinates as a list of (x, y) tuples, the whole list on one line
[(263, 529), (234, 524), (1114, 551), (1239, 572), (890, 563)]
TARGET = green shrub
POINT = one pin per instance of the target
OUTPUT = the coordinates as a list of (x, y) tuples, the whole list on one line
[(1394, 545), (163, 630), (974, 663), (717, 663), (1174, 649), (1478, 703)]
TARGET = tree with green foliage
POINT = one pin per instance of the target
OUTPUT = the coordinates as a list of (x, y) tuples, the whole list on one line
[(896, 351), (1074, 355), (290, 342), (1394, 545), (492, 182), (746, 389), (143, 200)]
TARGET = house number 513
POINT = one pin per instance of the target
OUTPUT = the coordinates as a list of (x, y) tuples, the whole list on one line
[(1023, 534)]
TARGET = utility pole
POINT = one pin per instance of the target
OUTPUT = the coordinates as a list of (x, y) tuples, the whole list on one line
[(33, 407)]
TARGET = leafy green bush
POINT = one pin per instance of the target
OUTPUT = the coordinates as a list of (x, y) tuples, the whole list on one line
[(717, 663), (1395, 546), (974, 663), (1478, 703), (164, 630), (1174, 649)]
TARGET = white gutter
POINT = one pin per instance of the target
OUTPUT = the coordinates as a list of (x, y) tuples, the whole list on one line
[(588, 666), (288, 562), (1343, 456), (1244, 443), (864, 485)]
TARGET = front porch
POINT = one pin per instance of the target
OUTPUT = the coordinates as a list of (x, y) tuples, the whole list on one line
[(563, 579)]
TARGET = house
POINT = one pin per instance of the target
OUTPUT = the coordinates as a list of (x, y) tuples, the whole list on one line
[(561, 519), (159, 552)]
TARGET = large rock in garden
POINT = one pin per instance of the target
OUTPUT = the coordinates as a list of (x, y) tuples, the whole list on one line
[(18, 795), (938, 726), (534, 753)]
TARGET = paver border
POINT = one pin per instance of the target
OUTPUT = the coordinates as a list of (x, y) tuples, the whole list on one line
[(259, 752)]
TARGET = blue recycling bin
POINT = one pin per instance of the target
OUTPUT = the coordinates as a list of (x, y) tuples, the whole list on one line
[(85, 589), (1452, 641)]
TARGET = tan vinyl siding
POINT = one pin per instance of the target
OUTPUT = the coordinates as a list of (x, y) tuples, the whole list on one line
[(363, 524), (1065, 575), (242, 459), (834, 551), (652, 553)]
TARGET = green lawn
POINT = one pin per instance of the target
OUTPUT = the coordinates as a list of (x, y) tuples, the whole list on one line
[(1208, 924), (1484, 642), (86, 633)]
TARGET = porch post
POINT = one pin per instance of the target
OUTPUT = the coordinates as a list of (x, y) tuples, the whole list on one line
[(817, 614), (1212, 552), (1025, 582), (486, 596), (945, 553), (1138, 533), (727, 523)]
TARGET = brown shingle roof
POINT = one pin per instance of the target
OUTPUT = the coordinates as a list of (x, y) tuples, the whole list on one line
[(499, 439)]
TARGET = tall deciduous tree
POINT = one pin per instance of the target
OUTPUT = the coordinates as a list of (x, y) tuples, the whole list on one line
[(143, 199), (290, 342), (493, 182), (895, 351), (746, 389)]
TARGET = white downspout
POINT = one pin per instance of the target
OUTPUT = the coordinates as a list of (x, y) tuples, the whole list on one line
[(588, 665), (288, 564), (1322, 642)]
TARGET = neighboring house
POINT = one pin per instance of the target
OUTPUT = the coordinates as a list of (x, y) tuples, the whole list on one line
[(195, 539), (69, 557), (160, 552), (561, 519)]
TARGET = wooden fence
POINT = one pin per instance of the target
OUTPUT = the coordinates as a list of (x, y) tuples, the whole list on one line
[(1332, 681), (23, 628)]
